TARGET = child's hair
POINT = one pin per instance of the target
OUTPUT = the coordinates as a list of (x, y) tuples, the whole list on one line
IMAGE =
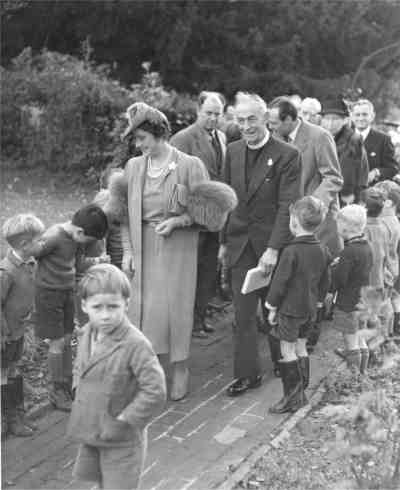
[(355, 217), (92, 220), (309, 211), (374, 200), (390, 191), (21, 227), (104, 279)]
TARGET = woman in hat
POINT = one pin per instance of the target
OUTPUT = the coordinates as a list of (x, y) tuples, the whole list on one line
[(159, 243), (351, 152)]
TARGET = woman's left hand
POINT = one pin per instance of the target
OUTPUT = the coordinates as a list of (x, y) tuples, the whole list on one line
[(167, 226)]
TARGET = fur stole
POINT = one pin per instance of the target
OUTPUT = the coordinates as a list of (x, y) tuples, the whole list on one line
[(116, 206), (208, 203)]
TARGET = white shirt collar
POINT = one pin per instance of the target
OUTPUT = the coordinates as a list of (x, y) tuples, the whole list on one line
[(293, 134), (365, 132), (261, 143)]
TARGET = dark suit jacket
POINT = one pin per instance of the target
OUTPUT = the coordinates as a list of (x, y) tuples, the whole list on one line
[(301, 278), (262, 215), (195, 141), (380, 152)]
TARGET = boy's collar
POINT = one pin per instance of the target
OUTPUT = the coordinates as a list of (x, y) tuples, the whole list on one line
[(17, 260), (118, 333)]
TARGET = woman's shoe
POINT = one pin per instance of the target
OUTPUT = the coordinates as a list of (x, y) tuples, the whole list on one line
[(180, 383)]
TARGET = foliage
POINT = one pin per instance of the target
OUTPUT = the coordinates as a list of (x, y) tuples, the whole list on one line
[(62, 112), (367, 428), (271, 47)]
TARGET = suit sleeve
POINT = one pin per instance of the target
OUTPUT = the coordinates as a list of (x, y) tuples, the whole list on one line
[(389, 166), (227, 180), (329, 169), (341, 270), (279, 285), (289, 192), (181, 142)]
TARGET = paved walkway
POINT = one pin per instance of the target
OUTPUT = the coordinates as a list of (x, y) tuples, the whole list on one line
[(193, 444)]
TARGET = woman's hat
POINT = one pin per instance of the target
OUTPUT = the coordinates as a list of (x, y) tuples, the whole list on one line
[(335, 106), (139, 112)]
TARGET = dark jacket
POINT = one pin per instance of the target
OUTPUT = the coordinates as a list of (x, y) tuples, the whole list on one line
[(301, 278), (262, 215), (380, 152), (351, 272), (353, 162), (17, 295)]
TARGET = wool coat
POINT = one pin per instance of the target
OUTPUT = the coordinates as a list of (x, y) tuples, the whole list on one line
[(179, 250), (122, 376)]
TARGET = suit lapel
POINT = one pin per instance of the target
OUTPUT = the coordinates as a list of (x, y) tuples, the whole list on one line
[(301, 140), (238, 169), (205, 148), (264, 167)]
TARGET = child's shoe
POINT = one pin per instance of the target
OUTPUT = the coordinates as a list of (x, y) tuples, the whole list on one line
[(59, 398)]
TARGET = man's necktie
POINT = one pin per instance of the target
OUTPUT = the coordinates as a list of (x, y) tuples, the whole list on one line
[(218, 151)]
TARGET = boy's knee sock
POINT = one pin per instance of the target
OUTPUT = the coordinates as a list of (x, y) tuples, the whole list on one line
[(67, 361), (56, 369)]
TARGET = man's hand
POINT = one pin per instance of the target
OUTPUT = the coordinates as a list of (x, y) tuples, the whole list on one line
[(222, 254), (104, 259), (268, 260), (128, 265), (373, 175), (272, 317), (348, 199)]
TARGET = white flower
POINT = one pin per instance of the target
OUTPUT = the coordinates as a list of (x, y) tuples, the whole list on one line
[(270, 162), (172, 166)]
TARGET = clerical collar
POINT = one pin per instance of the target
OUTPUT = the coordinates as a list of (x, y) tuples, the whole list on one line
[(261, 143)]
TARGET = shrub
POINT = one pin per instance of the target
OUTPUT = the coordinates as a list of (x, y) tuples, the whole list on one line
[(65, 113)]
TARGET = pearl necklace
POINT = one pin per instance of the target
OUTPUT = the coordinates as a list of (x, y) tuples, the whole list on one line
[(155, 172)]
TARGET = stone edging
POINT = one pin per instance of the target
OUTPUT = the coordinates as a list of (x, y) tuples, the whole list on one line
[(245, 467)]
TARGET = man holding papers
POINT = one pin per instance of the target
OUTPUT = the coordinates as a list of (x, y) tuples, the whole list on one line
[(265, 173)]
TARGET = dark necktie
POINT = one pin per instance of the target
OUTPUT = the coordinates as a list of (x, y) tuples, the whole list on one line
[(218, 151)]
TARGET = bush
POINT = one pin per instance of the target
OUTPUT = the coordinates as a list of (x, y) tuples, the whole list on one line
[(64, 113)]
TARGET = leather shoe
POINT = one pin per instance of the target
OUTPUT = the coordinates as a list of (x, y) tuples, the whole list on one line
[(241, 385)]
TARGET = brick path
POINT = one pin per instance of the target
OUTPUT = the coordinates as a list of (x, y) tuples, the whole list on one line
[(193, 444)]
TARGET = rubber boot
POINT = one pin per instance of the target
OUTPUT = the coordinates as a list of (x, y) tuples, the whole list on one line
[(57, 394), (180, 381), (353, 359), (4, 401), (396, 324), (372, 358), (275, 349), (313, 336), (19, 390), (304, 363), (364, 360), (15, 423), (293, 387), (67, 369)]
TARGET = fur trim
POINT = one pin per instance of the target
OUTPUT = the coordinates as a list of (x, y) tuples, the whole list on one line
[(210, 202), (117, 203)]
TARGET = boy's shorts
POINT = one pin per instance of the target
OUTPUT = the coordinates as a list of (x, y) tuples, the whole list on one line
[(345, 322), (55, 312), (12, 352), (112, 467), (291, 328)]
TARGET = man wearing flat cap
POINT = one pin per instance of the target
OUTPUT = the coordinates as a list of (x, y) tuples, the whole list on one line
[(203, 139)]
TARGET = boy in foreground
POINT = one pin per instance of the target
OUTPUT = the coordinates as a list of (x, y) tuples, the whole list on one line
[(119, 385)]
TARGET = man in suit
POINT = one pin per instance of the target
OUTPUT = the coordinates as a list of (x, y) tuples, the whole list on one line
[(265, 173), (379, 147), (204, 140), (321, 176)]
